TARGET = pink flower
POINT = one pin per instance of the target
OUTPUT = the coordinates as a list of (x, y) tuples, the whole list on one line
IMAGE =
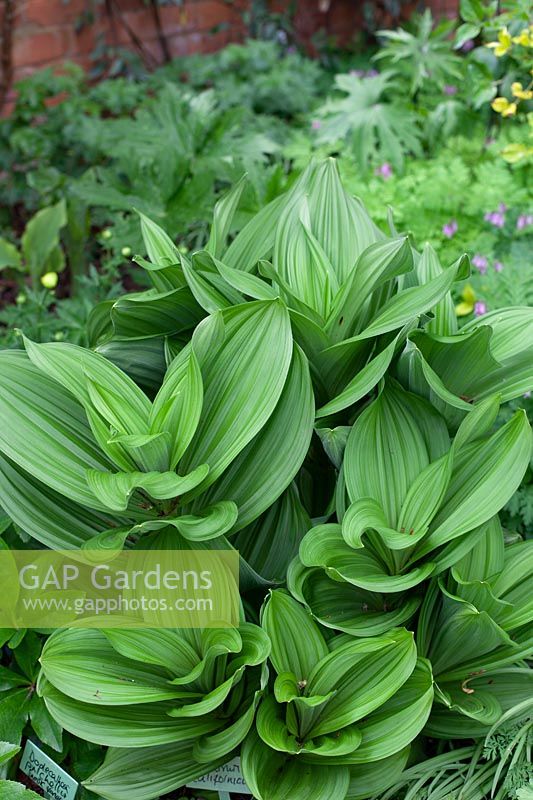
[(449, 89), (480, 308), (384, 171), (498, 266), (450, 228), (480, 262), (316, 125), (496, 218), (524, 221)]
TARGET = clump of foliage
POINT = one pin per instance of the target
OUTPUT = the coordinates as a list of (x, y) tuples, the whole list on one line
[(299, 392)]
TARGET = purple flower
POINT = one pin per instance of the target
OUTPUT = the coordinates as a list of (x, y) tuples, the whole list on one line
[(480, 262), (498, 266), (372, 73), (467, 46), (384, 171), (449, 89), (496, 218), (450, 229), (480, 308), (315, 124), (502, 208), (359, 73), (527, 395), (524, 221)]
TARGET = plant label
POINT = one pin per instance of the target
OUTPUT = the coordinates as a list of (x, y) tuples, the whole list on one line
[(54, 781), (225, 779)]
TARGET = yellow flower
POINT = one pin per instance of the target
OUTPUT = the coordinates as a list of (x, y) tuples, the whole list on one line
[(467, 305), (499, 104), (503, 44), (49, 280), (502, 106), (510, 111), (521, 93), (524, 38)]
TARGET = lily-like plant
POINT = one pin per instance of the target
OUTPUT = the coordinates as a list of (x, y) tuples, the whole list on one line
[(301, 393), (334, 705), (419, 502), (179, 702), (475, 626), (84, 443)]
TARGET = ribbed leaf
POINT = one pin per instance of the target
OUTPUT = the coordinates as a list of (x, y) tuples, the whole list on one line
[(243, 379), (345, 607), (276, 776), (178, 405), (143, 725), (45, 431), (223, 214), (266, 466), (297, 643), (364, 674), (154, 313), (148, 772), (113, 489)]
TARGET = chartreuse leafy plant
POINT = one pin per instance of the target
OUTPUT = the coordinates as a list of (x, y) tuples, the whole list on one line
[(475, 627), (299, 392), (416, 503), (334, 707), (352, 292), (83, 443), (179, 702)]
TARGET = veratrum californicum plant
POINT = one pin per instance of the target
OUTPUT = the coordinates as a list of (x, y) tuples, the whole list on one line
[(299, 392)]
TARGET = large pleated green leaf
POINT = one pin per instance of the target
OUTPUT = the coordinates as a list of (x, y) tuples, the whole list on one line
[(363, 674), (277, 776), (375, 266), (297, 643), (370, 780), (387, 450), (113, 489), (491, 354), (83, 665), (223, 214), (243, 379), (444, 322), (345, 607), (159, 246), (267, 465), (45, 431), (270, 543), (143, 725), (178, 405), (112, 401), (146, 773), (397, 722), (485, 475), (361, 384), (154, 313), (46, 514)]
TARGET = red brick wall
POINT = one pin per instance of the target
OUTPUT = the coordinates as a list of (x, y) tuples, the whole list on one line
[(45, 30)]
